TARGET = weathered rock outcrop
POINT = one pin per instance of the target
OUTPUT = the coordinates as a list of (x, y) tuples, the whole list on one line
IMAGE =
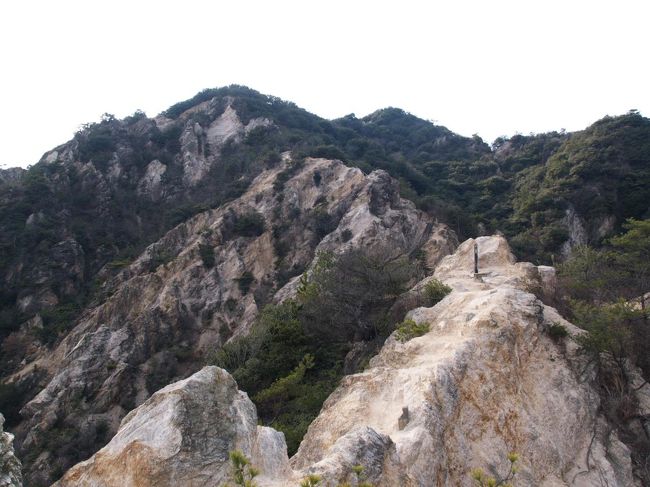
[(151, 183), (200, 145), (583, 231), (484, 381), (10, 471), (182, 435), (181, 298)]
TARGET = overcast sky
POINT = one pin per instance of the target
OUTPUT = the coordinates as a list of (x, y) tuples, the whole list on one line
[(487, 67)]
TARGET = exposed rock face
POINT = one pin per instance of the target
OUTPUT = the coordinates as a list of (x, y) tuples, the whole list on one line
[(200, 146), (151, 183), (577, 233), (182, 436), (169, 309), (484, 381), (10, 472), (584, 231)]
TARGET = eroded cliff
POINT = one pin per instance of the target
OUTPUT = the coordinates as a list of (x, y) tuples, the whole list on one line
[(485, 380), (200, 285)]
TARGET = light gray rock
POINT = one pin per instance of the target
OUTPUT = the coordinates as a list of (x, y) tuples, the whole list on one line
[(182, 435), (226, 127), (484, 381), (195, 164), (10, 468), (201, 146), (150, 185), (361, 446), (52, 157), (577, 233)]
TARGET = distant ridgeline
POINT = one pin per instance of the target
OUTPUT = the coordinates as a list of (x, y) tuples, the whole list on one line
[(63, 220)]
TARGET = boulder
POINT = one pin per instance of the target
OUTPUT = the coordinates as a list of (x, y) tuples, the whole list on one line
[(182, 435)]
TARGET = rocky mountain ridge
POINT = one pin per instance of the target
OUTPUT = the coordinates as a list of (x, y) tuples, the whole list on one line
[(163, 315), (486, 379), (132, 252), (142, 176)]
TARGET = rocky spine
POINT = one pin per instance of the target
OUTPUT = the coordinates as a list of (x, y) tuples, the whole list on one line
[(484, 381)]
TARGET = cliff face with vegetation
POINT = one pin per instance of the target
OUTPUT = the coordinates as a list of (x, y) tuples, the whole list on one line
[(202, 284), (145, 248), (484, 380)]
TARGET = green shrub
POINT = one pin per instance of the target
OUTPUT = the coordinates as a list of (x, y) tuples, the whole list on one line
[(207, 255), (159, 257), (272, 158), (483, 480), (234, 354), (182, 213), (358, 471), (278, 392), (311, 480), (294, 425), (12, 399), (249, 224), (409, 329), (10, 319), (329, 152), (57, 320), (280, 180), (557, 331), (321, 222), (245, 282), (293, 359), (242, 472), (119, 263), (435, 291)]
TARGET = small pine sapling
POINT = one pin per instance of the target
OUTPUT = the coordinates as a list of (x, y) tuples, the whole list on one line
[(243, 472), (312, 480), (483, 480)]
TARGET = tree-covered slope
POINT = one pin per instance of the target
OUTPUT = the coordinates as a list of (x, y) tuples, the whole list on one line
[(601, 175), (92, 204)]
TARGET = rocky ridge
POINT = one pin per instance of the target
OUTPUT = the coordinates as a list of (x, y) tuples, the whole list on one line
[(182, 298), (485, 380), (70, 223)]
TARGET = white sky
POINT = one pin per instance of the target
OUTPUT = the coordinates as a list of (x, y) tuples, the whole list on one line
[(487, 67)]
